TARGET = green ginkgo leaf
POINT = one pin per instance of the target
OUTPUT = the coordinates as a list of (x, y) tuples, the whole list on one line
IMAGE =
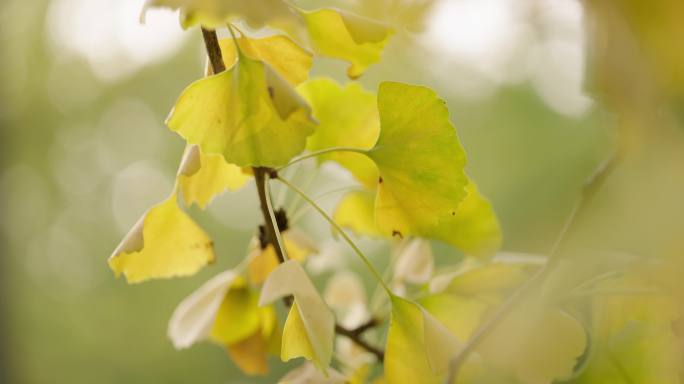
[(248, 114), (347, 36), (310, 326), (202, 177), (418, 348), (164, 243), (474, 228), (420, 160), (348, 117)]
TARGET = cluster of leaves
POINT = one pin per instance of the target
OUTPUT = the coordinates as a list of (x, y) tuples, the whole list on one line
[(257, 112)]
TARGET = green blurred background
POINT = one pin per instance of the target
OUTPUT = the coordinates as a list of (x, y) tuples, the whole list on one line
[(85, 91)]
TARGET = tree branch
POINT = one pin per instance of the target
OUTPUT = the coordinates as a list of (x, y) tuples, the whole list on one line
[(261, 174)]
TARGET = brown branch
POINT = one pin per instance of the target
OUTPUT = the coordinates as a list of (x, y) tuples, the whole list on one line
[(355, 336), (261, 175)]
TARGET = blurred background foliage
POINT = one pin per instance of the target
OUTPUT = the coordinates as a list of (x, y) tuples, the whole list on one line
[(541, 92)]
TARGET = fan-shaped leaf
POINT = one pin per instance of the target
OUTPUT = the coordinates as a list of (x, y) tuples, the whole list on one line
[(202, 177), (164, 243), (287, 58), (249, 114), (419, 348), (347, 36), (309, 329)]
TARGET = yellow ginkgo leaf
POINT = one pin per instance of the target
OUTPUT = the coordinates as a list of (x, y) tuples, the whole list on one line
[(356, 212), (460, 314), (287, 58), (193, 319), (420, 160), (474, 228), (536, 344), (309, 328), (418, 348), (225, 311), (237, 317), (264, 260), (487, 278), (250, 354), (348, 117), (164, 243), (202, 177), (216, 13), (347, 36), (248, 114)]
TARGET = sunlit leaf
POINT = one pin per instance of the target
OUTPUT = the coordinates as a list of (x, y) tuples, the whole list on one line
[(347, 36), (418, 348), (164, 243), (193, 319), (287, 58), (487, 278), (348, 117), (420, 160), (237, 317), (203, 177), (249, 114), (250, 354), (264, 260), (460, 314), (474, 228), (309, 329), (356, 212)]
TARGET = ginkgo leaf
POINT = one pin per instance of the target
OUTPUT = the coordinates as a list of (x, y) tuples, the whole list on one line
[(537, 344), (348, 117), (164, 243), (460, 314), (202, 177), (287, 58), (250, 354), (347, 36), (474, 228), (238, 315), (420, 160), (483, 279), (193, 319), (249, 114), (264, 260), (356, 212), (418, 348), (216, 13), (309, 328)]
